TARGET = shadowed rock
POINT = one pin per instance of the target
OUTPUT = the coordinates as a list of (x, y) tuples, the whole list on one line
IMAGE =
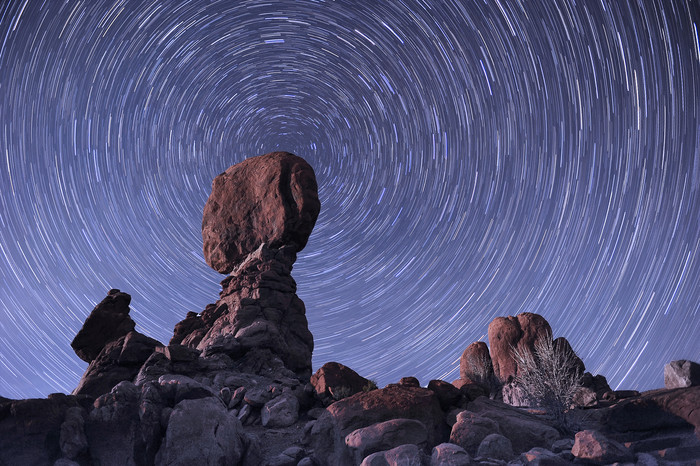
[(107, 322), (270, 199)]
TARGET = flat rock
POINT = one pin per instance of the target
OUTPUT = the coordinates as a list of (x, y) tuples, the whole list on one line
[(270, 199)]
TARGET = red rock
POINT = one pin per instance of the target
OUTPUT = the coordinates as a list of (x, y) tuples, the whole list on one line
[(475, 363), (409, 382), (333, 377), (108, 321), (270, 199), (505, 333), (593, 446), (448, 394), (385, 436)]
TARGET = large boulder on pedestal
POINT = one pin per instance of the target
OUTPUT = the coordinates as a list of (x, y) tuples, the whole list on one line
[(270, 199)]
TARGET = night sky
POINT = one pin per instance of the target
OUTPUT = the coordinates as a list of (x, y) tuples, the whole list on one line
[(475, 159)]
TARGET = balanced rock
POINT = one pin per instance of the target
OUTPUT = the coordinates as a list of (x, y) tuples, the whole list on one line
[(271, 199), (107, 322)]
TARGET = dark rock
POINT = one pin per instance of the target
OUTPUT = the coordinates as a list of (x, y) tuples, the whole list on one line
[(201, 432), (447, 394), (385, 436), (524, 430), (118, 360), (179, 353), (270, 199), (404, 455), (333, 378), (449, 454), (471, 429), (72, 438), (681, 374), (591, 445), (496, 446), (108, 321), (282, 411), (30, 430)]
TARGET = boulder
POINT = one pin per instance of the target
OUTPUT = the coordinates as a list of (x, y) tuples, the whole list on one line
[(681, 374), (270, 199), (471, 429), (524, 430), (449, 454), (119, 360), (505, 333), (539, 456), (409, 382), (72, 438), (475, 365), (333, 379), (447, 394), (108, 321), (385, 436), (202, 432), (591, 445), (404, 455), (495, 446), (327, 434), (282, 411)]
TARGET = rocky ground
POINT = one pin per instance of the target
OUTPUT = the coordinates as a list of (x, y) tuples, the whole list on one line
[(234, 384)]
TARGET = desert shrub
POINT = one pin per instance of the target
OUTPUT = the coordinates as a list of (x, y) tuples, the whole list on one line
[(340, 392), (369, 386), (548, 377)]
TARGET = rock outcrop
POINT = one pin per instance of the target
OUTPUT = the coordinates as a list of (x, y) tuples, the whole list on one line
[(271, 199), (681, 373)]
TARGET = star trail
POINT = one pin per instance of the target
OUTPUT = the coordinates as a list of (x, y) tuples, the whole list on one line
[(475, 159)]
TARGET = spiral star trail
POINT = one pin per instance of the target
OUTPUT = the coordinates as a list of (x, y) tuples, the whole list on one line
[(475, 159)]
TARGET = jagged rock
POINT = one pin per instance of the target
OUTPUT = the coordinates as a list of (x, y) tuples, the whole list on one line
[(447, 394), (681, 374), (597, 384), (495, 446), (333, 379), (118, 360), (108, 321), (475, 365), (327, 435), (72, 437), (282, 411), (201, 432), (524, 430), (449, 454), (404, 455), (593, 446), (114, 430), (259, 320), (30, 429), (521, 331), (270, 199), (471, 429), (385, 436)]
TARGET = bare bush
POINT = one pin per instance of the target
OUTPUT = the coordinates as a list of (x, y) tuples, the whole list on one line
[(481, 372), (548, 378)]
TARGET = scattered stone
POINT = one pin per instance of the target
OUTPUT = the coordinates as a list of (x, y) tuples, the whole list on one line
[(593, 446), (270, 199), (385, 436), (496, 446), (282, 411), (449, 454), (681, 374)]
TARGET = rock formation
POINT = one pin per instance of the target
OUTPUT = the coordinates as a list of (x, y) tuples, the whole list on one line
[(233, 388), (271, 199)]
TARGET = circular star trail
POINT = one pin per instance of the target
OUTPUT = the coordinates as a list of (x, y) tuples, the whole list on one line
[(475, 159)]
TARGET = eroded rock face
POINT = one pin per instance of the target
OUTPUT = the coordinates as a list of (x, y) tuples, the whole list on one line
[(107, 322), (258, 311), (270, 199)]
